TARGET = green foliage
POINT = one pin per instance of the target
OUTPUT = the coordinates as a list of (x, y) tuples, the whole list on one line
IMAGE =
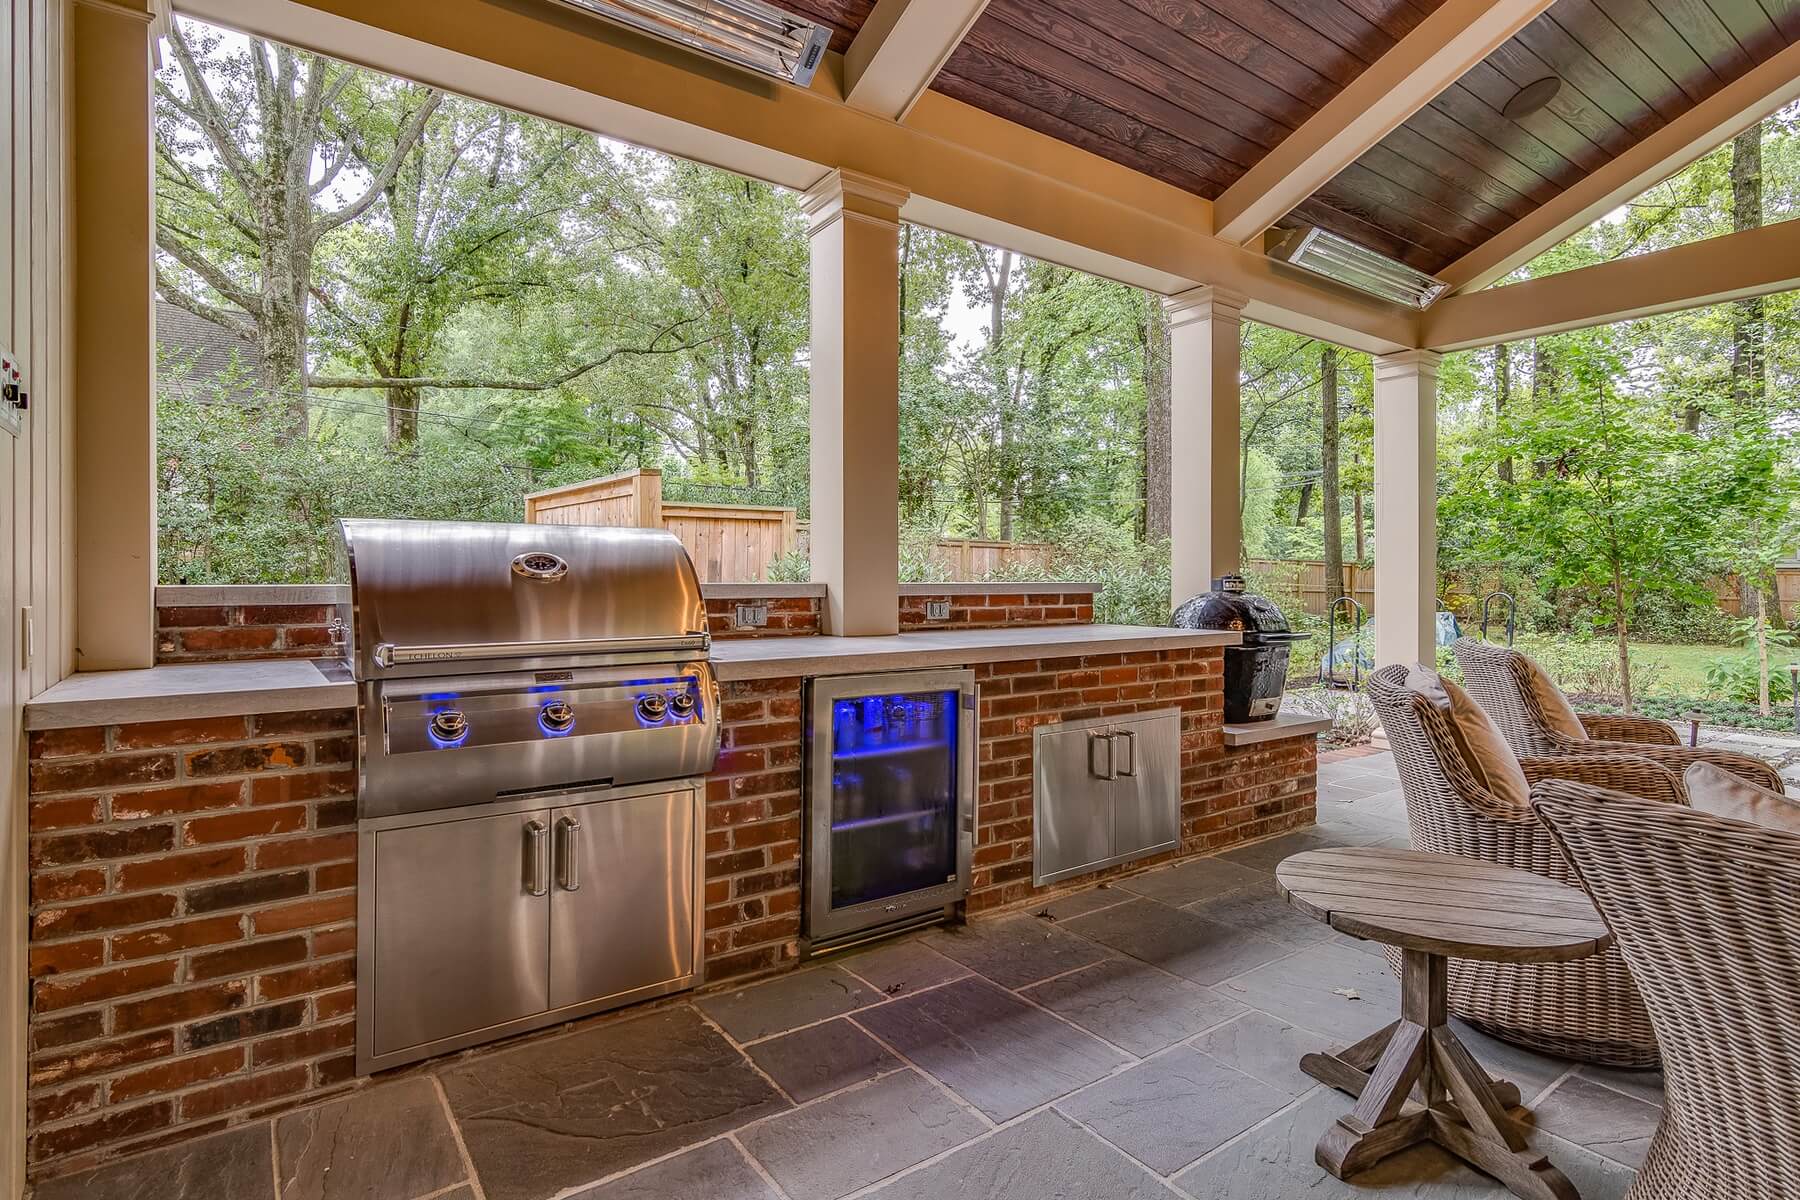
[(238, 504), (1589, 667)]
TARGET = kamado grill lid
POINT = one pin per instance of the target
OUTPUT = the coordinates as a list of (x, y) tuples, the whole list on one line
[(1230, 607)]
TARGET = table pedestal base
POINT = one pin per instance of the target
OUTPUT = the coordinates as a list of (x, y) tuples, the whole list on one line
[(1416, 1082)]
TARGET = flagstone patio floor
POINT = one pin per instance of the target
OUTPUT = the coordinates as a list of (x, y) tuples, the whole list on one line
[(1124, 1042)]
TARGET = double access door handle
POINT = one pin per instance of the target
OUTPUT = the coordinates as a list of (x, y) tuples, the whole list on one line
[(1106, 766), (568, 861), (537, 856)]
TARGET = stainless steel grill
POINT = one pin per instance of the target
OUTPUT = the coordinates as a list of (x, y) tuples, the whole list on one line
[(536, 709)]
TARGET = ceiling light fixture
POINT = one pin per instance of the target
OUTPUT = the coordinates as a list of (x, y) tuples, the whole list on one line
[(748, 33), (1531, 98), (1343, 261)]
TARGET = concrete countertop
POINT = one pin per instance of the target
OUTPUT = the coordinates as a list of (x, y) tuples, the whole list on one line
[(769, 658), (177, 691), (1284, 725)]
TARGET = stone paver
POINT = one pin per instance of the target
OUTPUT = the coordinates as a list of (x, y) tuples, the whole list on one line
[(1134, 1041)]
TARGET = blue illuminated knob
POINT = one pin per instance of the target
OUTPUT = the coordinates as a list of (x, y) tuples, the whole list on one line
[(449, 725), (682, 705), (558, 716), (653, 707)]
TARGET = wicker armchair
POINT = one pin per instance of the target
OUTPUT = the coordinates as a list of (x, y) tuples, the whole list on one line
[(1498, 678), (1704, 912), (1587, 1010)]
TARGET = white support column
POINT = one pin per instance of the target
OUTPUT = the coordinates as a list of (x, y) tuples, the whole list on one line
[(1205, 523), (1406, 507), (855, 242)]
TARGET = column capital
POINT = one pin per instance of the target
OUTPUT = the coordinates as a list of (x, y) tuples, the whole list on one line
[(851, 193), (1205, 303), (1402, 363)]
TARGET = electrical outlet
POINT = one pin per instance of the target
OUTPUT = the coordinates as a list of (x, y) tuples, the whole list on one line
[(937, 610), (751, 616)]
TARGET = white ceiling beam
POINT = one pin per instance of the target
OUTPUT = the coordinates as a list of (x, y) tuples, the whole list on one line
[(1438, 52), (899, 51), (968, 172), (1733, 266), (1717, 119)]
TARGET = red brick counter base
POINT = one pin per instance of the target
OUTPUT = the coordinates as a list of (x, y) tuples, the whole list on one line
[(193, 894), (193, 934), (1228, 795)]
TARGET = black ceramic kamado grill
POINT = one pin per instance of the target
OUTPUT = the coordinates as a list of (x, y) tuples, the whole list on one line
[(1255, 672)]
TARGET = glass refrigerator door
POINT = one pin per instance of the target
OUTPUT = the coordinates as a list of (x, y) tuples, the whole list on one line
[(893, 795)]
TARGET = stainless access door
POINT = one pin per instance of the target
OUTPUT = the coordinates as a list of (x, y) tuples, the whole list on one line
[(1073, 830), (463, 933), (624, 906), (1147, 753), (1107, 790)]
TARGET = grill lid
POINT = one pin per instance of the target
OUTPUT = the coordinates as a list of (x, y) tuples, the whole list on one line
[(429, 595), (1230, 607)]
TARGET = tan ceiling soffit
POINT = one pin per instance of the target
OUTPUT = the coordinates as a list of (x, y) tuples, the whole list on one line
[(1734, 266), (1438, 52), (899, 51), (1714, 121), (971, 170)]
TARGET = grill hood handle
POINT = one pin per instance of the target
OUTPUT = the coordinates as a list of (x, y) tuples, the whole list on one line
[(388, 655)]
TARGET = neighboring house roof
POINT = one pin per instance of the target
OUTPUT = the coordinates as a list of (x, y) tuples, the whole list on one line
[(193, 352)]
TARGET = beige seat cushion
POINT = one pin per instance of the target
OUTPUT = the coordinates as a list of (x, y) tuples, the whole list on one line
[(1713, 789), (1557, 714), (1484, 749)]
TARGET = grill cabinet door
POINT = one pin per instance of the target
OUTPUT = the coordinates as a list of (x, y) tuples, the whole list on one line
[(461, 942), (622, 901), (1074, 809), (1147, 756)]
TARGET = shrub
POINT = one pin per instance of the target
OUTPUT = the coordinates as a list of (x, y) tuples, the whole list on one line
[(1590, 667), (1352, 715)]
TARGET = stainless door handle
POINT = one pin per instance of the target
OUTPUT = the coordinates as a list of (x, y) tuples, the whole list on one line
[(568, 865), (1130, 736), (537, 862), (1095, 742)]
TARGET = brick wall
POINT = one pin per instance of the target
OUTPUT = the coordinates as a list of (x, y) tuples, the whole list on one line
[(192, 933), (219, 633), (1227, 795), (753, 830), (990, 610), (754, 796), (789, 616)]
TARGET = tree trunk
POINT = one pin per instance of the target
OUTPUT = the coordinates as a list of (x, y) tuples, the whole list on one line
[(999, 286), (1305, 505), (1502, 396), (1543, 386), (403, 419), (1762, 653), (1362, 552), (1620, 633), (1748, 326), (1330, 505), (1156, 419)]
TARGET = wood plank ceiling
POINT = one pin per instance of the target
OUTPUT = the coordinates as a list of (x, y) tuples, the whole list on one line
[(1193, 92)]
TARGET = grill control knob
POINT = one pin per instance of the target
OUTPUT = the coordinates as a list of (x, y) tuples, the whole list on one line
[(449, 725), (682, 705), (653, 707), (558, 716)]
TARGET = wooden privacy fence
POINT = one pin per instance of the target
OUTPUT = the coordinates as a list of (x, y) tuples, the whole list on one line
[(729, 543), (973, 558), (1305, 578)]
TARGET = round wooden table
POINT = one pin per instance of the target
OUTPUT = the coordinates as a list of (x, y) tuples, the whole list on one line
[(1414, 1080)]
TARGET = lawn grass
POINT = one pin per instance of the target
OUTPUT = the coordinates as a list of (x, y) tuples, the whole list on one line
[(1682, 668)]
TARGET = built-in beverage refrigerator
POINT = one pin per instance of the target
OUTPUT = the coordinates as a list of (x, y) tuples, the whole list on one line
[(890, 802)]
